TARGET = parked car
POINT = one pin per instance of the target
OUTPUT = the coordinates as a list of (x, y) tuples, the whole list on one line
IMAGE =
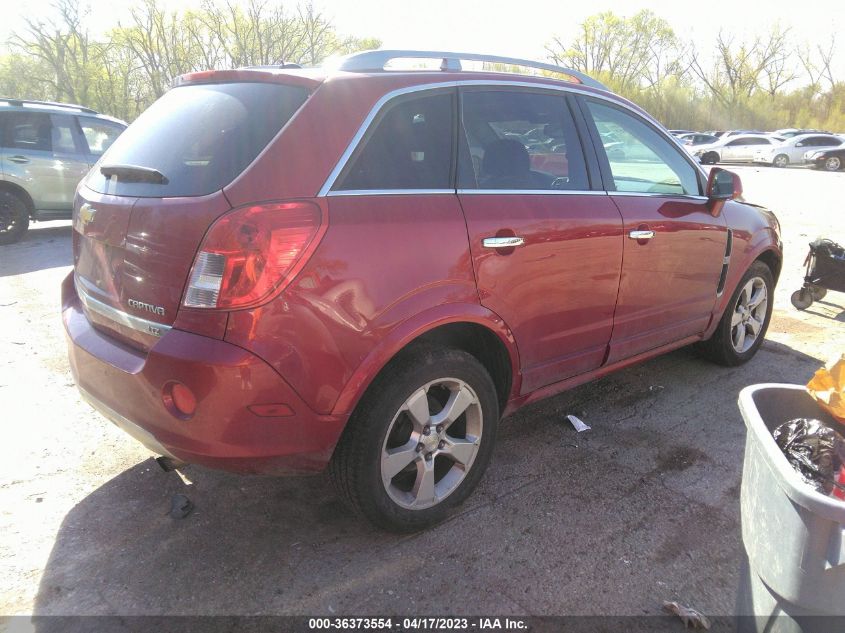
[(47, 148), (792, 150), (337, 283), (733, 149), (830, 159), (790, 132), (697, 138)]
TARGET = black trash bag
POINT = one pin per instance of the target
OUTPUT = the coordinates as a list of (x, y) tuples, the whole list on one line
[(814, 450)]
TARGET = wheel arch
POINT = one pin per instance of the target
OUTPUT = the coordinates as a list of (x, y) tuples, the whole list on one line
[(475, 330), (773, 260)]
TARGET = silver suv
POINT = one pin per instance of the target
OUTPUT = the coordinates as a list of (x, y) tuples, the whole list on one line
[(45, 150)]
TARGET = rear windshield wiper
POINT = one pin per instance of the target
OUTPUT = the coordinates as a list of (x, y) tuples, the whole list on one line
[(134, 173)]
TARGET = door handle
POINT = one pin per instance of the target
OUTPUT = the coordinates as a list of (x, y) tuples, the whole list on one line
[(641, 235), (502, 242), (22, 160)]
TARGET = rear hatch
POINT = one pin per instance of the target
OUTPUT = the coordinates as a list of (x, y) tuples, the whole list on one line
[(142, 212)]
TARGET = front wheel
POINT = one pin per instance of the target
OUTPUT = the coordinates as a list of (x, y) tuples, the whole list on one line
[(781, 160), (834, 163), (419, 441), (744, 323)]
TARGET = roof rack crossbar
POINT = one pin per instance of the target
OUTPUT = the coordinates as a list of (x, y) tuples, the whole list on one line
[(374, 61), (55, 104)]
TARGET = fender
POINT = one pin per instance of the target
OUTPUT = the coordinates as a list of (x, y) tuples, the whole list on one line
[(411, 329), (746, 249)]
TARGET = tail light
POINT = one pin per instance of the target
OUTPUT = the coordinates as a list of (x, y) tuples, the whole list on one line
[(251, 253)]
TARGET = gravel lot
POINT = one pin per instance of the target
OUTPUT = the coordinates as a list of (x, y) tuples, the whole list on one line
[(641, 509)]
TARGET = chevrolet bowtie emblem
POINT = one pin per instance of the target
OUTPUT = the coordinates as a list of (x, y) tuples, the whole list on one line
[(86, 215)]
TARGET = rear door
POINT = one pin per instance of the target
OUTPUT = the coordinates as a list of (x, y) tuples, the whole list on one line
[(137, 229), (673, 247), (42, 153), (546, 245)]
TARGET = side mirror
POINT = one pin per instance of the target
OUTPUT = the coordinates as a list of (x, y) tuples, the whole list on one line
[(723, 185)]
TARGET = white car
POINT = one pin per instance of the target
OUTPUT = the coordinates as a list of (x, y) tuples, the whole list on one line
[(737, 149), (794, 150)]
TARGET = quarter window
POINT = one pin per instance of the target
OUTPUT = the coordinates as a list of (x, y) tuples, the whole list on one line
[(99, 135), (409, 147), (641, 160), (519, 140)]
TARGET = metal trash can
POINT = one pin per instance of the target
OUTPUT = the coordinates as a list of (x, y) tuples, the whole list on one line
[(793, 535)]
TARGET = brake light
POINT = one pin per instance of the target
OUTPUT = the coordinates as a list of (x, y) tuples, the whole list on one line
[(251, 253)]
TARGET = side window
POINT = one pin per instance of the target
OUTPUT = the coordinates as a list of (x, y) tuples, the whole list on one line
[(820, 141), (28, 131), (759, 141), (99, 135), (641, 160), (519, 140), (61, 135), (409, 146), (739, 141)]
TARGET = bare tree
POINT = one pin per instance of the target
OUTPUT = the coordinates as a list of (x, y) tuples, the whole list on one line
[(632, 52)]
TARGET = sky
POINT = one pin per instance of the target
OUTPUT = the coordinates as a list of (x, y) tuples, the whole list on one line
[(519, 28)]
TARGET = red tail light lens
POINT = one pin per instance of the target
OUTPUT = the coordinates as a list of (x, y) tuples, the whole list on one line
[(249, 254)]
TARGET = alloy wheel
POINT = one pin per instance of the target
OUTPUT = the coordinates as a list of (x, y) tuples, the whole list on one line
[(781, 160), (749, 314), (431, 443), (833, 163)]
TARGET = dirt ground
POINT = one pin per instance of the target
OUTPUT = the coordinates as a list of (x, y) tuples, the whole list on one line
[(641, 509)]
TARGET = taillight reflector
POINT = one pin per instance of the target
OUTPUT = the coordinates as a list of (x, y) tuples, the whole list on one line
[(250, 253)]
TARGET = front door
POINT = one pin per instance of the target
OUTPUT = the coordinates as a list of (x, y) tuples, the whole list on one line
[(546, 247), (673, 248)]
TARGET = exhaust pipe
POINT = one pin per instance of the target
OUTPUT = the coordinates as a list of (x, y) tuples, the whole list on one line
[(169, 464)]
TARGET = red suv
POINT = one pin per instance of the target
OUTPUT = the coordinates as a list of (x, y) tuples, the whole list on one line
[(280, 270)]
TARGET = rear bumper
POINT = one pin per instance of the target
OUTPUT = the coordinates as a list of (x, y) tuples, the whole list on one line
[(125, 385)]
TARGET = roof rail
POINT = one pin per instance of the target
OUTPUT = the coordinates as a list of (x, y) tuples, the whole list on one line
[(374, 61), (282, 66), (55, 104)]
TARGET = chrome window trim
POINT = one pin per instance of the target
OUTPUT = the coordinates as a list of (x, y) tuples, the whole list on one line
[(655, 194), (532, 192), (389, 192), (133, 322), (326, 189)]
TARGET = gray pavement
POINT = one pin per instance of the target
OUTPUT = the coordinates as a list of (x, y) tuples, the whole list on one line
[(642, 508)]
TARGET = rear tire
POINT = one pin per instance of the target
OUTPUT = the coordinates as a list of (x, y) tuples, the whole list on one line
[(404, 462), (710, 158), (14, 217), (743, 325)]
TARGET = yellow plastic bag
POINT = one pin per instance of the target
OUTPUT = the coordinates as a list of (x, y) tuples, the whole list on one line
[(827, 386)]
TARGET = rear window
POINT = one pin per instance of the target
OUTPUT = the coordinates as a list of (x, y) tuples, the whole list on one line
[(198, 137)]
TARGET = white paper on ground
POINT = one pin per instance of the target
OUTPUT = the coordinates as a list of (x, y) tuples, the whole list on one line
[(578, 423)]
